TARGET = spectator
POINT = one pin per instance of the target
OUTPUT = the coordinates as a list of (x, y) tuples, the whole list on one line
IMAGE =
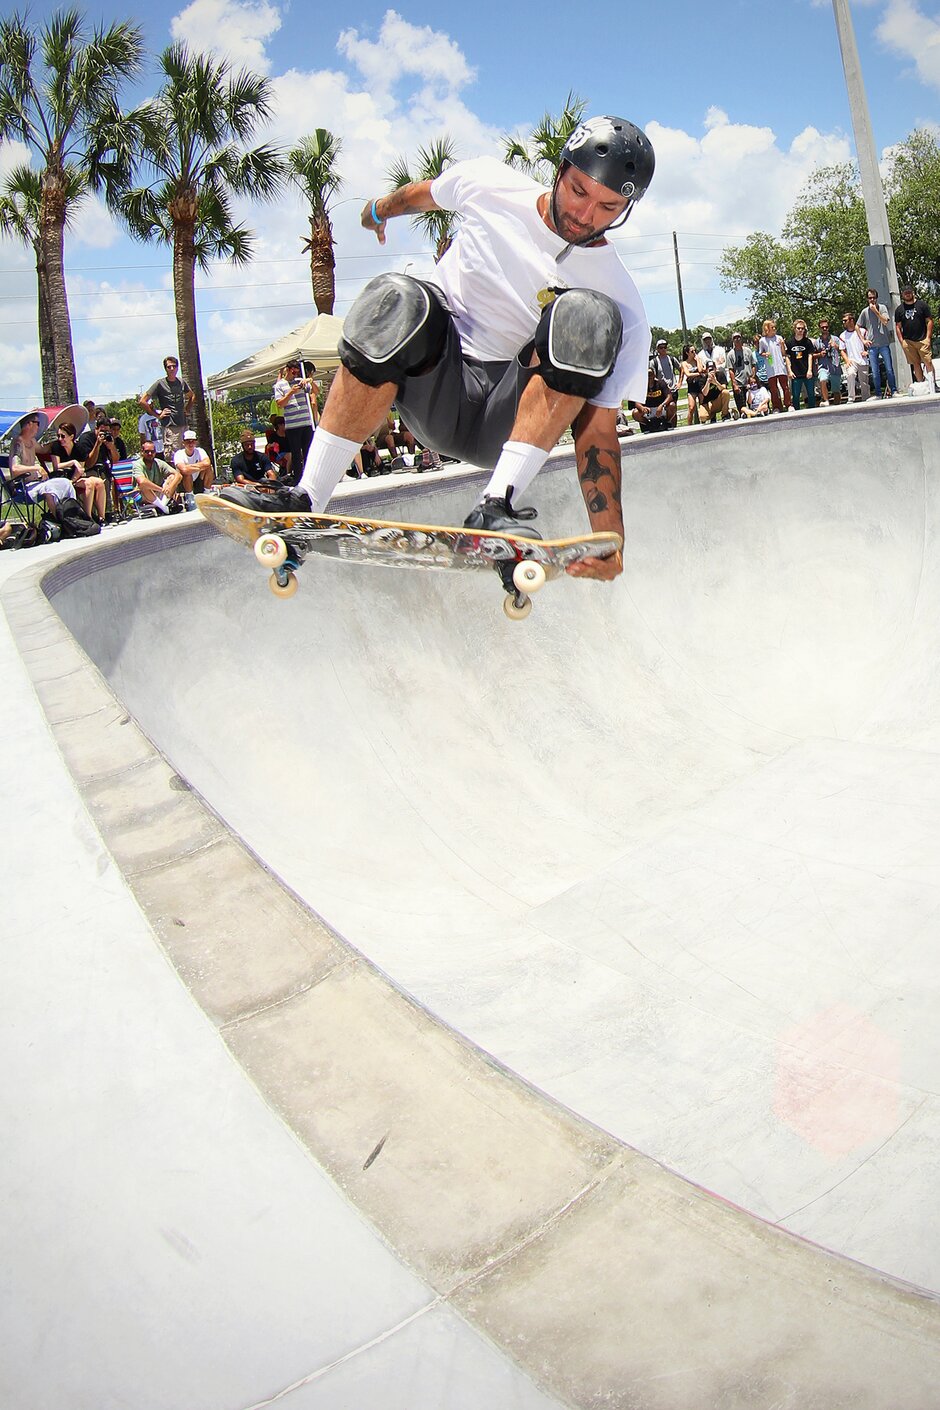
[(170, 399), (740, 363), (694, 382), (658, 411), (714, 352), (714, 398), (150, 428), (800, 350), (275, 437), (914, 324), (293, 396), (371, 460), (249, 465), (757, 398), (70, 462), (667, 368), (195, 468), (773, 348), (91, 415), (119, 448), (25, 466), (156, 481), (854, 359), (876, 327), (396, 437), (828, 358), (93, 448)]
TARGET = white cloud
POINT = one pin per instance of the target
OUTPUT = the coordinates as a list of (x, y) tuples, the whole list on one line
[(404, 50), (12, 154), (237, 30), (907, 31), (93, 225)]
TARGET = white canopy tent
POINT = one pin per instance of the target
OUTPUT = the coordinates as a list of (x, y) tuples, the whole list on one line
[(313, 344)]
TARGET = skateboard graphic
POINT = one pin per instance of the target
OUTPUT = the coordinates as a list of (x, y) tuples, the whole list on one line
[(281, 542)]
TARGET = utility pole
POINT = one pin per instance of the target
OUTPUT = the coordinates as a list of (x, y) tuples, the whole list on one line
[(675, 250), (879, 254)]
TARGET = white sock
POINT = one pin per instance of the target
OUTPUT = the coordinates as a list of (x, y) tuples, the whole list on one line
[(517, 466), (160, 501), (328, 459)]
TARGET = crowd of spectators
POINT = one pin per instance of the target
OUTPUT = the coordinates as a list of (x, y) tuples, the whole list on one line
[(765, 373)]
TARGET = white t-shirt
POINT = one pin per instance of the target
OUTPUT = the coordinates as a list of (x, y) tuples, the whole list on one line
[(855, 347), (718, 356), (150, 428), (756, 397), (772, 348), (184, 458), (504, 254)]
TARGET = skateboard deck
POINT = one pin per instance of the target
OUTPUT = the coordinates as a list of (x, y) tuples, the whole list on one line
[(281, 542)]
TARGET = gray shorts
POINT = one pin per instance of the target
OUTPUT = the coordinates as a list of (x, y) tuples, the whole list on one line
[(463, 407)]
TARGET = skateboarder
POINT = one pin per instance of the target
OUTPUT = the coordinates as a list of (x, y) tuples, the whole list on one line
[(529, 324)]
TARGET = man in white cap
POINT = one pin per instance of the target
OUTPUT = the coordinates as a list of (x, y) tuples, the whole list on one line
[(194, 466)]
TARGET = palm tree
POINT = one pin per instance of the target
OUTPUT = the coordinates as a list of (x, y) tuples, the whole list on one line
[(57, 86), (189, 141), (20, 205), (539, 157), (436, 226), (311, 167)]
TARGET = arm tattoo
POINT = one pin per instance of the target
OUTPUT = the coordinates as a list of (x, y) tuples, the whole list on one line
[(590, 473)]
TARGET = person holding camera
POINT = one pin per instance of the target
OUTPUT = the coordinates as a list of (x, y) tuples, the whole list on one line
[(297, 398)]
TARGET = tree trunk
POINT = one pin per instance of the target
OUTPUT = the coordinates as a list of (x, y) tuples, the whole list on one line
[(322, 264), (46, 338), (52, 237), (183, 214)]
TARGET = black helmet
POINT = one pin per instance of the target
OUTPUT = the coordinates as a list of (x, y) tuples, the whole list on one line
[(614, 152)]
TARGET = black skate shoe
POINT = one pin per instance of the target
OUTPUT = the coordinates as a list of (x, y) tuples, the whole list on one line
[(287, 499), (499, 517)]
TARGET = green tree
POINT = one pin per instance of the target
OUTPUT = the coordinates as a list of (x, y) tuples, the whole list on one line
[(913, 191), (312, 168), (540, 155), (436, 226), (190, 147), (817, 267), (58, 89), (20, 207)]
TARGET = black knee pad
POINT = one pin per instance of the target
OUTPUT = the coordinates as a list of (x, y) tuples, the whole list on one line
[(577, 340), (396, 327)]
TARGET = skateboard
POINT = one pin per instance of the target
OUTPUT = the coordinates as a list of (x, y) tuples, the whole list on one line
[(281, 542)]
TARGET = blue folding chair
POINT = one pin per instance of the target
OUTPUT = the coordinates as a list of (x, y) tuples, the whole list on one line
[(15, 502)]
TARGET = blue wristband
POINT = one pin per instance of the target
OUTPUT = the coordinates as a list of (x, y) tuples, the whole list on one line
[(375, 215)]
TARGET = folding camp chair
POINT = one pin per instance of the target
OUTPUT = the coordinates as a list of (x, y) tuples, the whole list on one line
[(126, 496), (15, 503)]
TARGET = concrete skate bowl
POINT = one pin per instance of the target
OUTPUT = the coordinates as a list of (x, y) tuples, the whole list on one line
[(669, 850)]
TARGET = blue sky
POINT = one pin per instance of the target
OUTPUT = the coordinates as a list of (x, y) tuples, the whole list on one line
[(741, 101)]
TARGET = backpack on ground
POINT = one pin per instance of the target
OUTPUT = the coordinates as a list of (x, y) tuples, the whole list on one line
[(20, 536), (74, 521)]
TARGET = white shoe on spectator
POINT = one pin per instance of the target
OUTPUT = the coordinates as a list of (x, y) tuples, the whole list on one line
[(160, 504), (190, 501)]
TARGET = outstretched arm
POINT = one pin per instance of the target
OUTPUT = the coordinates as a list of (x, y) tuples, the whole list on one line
[(597, 453), (406, 200)]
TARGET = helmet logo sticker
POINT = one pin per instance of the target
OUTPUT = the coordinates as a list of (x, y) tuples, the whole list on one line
[(627, 189)]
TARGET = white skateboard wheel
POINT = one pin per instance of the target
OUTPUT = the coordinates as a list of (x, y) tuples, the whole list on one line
[(271, 550), (517, 609), (528, 577), (283, 589)]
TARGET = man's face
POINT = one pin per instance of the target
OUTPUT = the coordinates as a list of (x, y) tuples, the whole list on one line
[(848, 322), (171, 368), (908, 296), (583, 206), (248, 445), (824, 330), (799, 331), (148, 450)]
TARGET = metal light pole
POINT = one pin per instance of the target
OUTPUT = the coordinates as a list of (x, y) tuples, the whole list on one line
[(879, 254)]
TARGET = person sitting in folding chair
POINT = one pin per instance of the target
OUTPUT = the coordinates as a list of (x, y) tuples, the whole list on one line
[(26, 466), (90, 489)]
